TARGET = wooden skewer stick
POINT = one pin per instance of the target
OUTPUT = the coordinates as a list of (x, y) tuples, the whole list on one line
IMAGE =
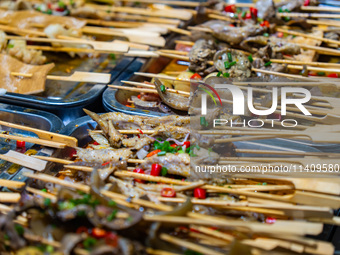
[(11, 184), (35, 141), (332, 23), (153, 86), (308, 36), (147, 90), (320, 8), (42, 134), (7, 197), (175, 13), (294, 62), (75, 77), (101, 46), (86, 189), (189, 245), (287, 153), (167, 2), (316, 69), (308, 15), (21, 31)]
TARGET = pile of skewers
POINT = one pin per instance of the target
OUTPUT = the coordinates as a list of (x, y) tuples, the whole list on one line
[(137, 176)]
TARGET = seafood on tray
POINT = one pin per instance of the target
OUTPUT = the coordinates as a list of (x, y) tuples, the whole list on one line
[(132, 190)]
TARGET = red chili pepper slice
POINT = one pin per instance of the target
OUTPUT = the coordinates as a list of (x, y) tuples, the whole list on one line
[(82, 229), (306, 3), (270, 220), (156, 169), (111, 239), (98, 233), (279, 34), (248, 16), (265, 23), (173, 145), (21, 144), (186, 144), (196, 76), (106, 163), (200, 193), (139, 96), (95, 143), (333, 75), (73, 153), (253, 12), (230, 8), (139, 171), (168, 192), (153, 153)]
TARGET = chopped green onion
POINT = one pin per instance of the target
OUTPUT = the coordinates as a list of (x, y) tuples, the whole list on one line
[(226, 75), (44, 190), (238, 10), (47, 202), (250, 57), (112, 215), (164, 171), (10, 46), (219, 74), (203, 121), (280, 9), (264, 183), (243, 15), (229, 187), (61, 4), (112, 56), (89, 242), (227, 65), (321, 73), (268, 63), (162, 153), (266, 34), (20, 230), (162, 88), (230, 57), (286, 18), (49, 249), (180, 152), (112, 203), (49, 11), (286, 10)]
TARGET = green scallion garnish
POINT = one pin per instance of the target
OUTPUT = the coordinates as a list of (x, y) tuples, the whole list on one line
[(268, 63)]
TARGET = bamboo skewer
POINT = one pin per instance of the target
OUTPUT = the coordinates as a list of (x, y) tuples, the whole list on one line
[(167, 2), (189, 245), (35, 141), (153, 86), (176, 14), (308, 15), (11, 184), (287, 153), (101, 46), (6, 197), (308, 36), (75, 77), (42, 134), (86, 189)]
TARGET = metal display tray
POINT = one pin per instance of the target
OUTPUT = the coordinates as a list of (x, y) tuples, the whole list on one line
[(66, 99), (27, 117)]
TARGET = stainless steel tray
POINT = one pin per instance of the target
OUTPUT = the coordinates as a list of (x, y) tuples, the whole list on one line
[(66, 99), (28, 117)]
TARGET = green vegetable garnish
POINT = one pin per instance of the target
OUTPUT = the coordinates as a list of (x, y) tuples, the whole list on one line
[(10, 46), (61, 4), (162, 153), (227, 65), (162, 88), (49, 249), (112, 56), (266, 34), (268, 63), (89, 242), (226, 75), (321, 73), (20, 230), (164, 171), (250, 57), (47, 202), (112, 203), (49, 11), (203, 121), (112, 215), (219, 74), (44, 190), (230, 57), (243, 15)]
